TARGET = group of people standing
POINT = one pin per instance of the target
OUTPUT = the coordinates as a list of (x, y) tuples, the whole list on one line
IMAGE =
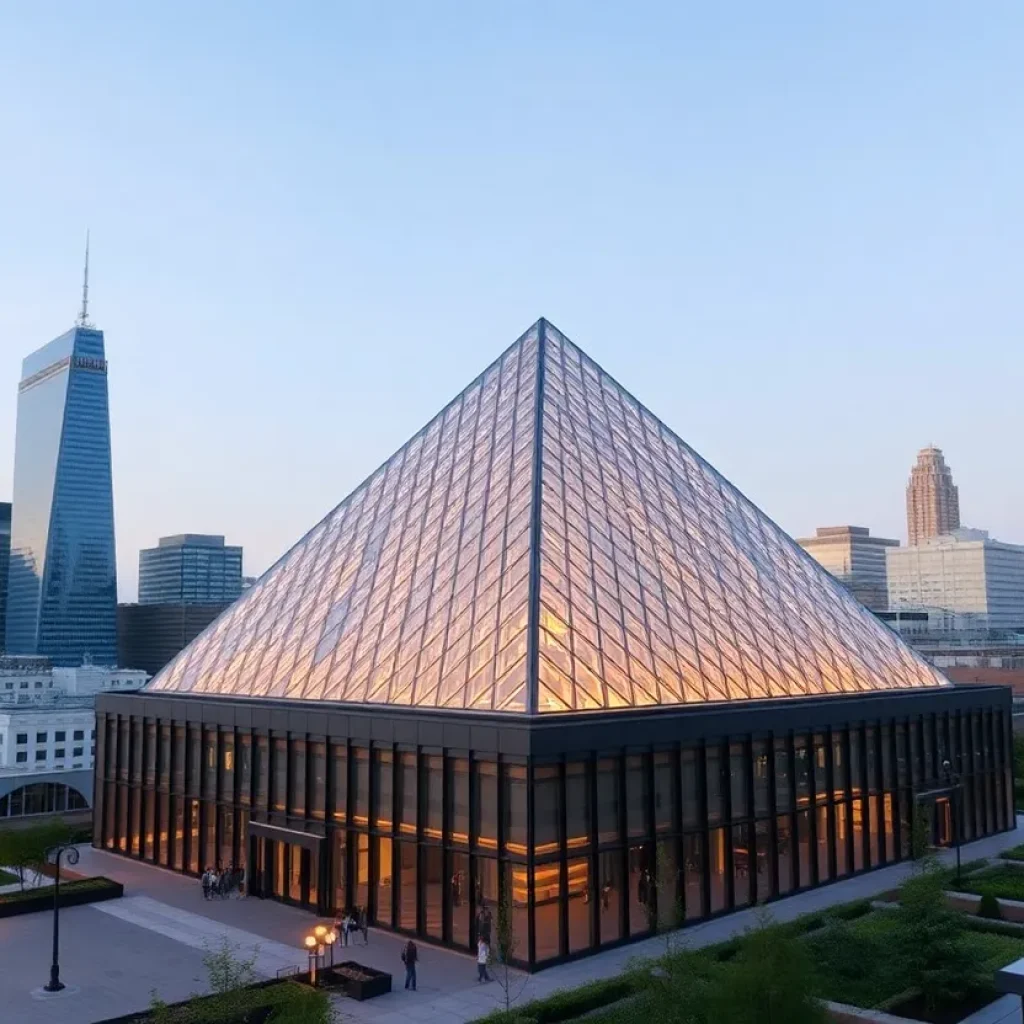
[(222, 883), (351, 923)]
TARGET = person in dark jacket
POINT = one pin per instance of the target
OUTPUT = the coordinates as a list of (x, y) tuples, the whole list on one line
[(409, 957)]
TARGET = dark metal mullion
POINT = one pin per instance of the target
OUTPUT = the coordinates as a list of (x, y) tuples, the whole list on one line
[(623, 847), (866, 790), (725, 784), (702, 817), (796, 881), (812, 808), (847, 745), (773, 819), (563, 863), (533, 598), (396, 865), (751, 816), (531, 898), (593, 853), (830, 802)]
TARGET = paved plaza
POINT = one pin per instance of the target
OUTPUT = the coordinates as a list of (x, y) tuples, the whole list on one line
[(114, 955)]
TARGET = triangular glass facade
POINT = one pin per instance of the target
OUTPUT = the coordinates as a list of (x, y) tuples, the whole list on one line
[(580, 522)]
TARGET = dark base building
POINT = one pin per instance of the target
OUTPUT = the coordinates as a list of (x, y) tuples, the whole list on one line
[(546, 657), (150, 635)]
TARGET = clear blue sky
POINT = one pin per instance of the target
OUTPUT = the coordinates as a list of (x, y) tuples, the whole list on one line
[(793, 230)]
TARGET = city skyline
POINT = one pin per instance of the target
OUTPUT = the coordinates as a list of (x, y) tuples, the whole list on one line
[(764, 235)]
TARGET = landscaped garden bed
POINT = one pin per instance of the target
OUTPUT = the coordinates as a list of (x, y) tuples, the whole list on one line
[(72, 894), (920, 960), (262, 1003), (1002, 882)]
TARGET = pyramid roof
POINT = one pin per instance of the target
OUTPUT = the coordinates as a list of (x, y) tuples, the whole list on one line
[(545, 544)]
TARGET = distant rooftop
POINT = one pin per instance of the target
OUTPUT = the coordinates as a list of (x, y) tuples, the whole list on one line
[(196, 540)]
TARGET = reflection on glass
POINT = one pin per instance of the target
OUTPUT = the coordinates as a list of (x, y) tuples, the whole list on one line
[(785, 853), (547, 809), (361, 888), (459, 898), (458, 796), (579, 899), (514, 778), (842, 840), (610, 881), (383, 788), (433, 797), (742, 862), (716, 872), (339, 863), (693, 876), (641, 889), (547, 910), (359, 799), (803, 827), (406, 915), (384, 881), (407, 793), (691, 789), (485, 801), (577, 805), (433, 891), (608, 801), (339, 780), (824, 838)]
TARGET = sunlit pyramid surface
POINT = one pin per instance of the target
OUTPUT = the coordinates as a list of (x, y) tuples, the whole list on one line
[(545, 544)]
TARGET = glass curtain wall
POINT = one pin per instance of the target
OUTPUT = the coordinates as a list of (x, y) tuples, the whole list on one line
[(588, 850)]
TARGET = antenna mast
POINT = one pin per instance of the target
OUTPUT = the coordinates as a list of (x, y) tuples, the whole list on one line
[(83, 315)]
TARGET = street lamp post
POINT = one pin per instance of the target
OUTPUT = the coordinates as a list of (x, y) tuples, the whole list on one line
[(311, 950), (330, 938), (957, 785), (70, 854)]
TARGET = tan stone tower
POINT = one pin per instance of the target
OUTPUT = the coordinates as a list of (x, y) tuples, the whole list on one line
[(933, 502)]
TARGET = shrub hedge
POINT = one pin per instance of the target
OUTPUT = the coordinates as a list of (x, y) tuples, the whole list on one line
[(72, 894)]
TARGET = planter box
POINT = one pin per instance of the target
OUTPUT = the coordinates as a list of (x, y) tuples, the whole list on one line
[(840, 1013), (1011, 910), (42, 899), (370, 983), (965, 902)]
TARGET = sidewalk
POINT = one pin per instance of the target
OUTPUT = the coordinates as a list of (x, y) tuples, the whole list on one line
[(448, 992)]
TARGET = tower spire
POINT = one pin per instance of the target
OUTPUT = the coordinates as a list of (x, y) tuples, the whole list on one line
[(83, 315)]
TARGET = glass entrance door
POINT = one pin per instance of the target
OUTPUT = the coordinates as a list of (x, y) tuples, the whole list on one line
[(285, 871)]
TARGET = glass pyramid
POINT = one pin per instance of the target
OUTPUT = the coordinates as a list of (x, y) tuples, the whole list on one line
[(545, 544)]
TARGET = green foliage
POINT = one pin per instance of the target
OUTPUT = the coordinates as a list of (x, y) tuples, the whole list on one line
[(982, 924), (989, 907), (226, 970), (854, 962), (1018, 756), (1002, 881), (47, 890), (569, 1004), (6, 878), (930, 940), (850, 911), (920, 836), (25, 848), (292, 1004), (1014, 853)]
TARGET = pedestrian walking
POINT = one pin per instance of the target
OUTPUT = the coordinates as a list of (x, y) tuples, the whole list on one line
[(206, 881), (347, 924), (483, 954), (409, 959), (363, 926)]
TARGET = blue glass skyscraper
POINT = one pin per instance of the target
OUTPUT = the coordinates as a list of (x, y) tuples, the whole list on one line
[(62, 587)]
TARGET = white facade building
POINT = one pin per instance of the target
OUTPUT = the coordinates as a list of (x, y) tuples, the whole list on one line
[(966, 573), (48, 732), (57, 736)]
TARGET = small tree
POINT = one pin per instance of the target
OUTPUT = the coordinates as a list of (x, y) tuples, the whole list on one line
[(770, 981), (920, 833), (504, 950), (226, 970), (931, 939), (665, 910)]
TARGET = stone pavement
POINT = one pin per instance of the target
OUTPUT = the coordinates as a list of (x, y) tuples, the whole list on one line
[(117, 952), (1003, 1011)]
